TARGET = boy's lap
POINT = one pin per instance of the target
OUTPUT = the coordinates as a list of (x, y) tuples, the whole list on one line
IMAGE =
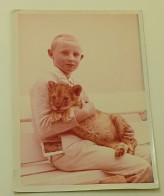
[(86, 155), (143, 151)]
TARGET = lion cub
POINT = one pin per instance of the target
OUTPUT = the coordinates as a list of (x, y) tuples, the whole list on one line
[(63, 98), (102, 128)]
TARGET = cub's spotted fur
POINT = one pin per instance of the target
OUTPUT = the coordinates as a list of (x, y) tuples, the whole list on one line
[(102, 128)]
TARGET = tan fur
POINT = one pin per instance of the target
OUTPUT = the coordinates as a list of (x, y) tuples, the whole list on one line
[(62, 99), (102, 128)]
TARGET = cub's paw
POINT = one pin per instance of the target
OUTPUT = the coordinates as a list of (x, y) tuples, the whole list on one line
[(67, 116), (66, 119), (120, 150), (54, 117)]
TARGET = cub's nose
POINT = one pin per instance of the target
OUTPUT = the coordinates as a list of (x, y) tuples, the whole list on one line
[(57, 106)]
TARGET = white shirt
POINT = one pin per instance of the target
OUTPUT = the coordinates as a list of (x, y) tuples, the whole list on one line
[(41, 110)]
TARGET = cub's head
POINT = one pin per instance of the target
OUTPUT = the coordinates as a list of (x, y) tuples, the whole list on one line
[(63, 96)]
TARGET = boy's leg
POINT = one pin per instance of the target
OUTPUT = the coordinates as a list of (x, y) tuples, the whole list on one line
[(85, 155), (143, 151)]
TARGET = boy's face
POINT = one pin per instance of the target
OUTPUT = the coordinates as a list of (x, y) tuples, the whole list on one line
[(66, 56)]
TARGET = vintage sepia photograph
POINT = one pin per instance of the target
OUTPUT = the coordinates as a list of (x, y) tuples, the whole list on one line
[(82, 115)]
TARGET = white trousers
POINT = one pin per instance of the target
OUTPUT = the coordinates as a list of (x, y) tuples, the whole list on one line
[(86, 155)]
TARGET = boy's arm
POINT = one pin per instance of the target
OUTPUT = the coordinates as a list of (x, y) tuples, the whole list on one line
[(41, 110), (86, 111)]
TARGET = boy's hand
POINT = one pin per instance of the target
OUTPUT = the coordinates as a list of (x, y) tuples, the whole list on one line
[(129, 133)]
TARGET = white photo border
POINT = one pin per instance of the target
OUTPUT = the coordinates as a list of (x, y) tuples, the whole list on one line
[(18, 187)]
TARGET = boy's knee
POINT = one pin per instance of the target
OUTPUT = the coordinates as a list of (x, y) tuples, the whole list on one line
[(147, 172), (142, 174)]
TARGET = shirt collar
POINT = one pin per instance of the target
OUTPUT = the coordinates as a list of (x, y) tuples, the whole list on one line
[(62, 76)]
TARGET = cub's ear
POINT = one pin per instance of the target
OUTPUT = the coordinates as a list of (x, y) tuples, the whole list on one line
[(51, 85), (76, 89)]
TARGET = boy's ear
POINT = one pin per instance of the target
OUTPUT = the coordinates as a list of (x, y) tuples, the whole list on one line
[(82, 56), (50, 54)]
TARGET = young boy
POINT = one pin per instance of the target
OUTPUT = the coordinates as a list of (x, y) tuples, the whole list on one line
[(79, 154)]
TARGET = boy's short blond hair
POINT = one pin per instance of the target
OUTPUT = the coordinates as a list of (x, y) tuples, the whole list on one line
[(66, 37)]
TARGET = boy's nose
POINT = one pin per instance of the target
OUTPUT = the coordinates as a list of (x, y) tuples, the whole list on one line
[(71, 57)]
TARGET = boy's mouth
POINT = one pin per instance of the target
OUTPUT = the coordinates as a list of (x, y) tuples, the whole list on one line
[(71, 65)]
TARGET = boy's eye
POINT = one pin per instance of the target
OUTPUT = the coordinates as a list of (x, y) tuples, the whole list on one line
[(76, 54), (65, 52)]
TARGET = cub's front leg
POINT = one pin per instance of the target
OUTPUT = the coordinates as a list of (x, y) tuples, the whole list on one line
[(68, 115), (54, 117)]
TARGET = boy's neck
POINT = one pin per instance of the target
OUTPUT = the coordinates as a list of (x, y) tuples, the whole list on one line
[(66, 75)]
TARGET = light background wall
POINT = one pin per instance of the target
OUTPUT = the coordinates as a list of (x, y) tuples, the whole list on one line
[(154, 40), (110, 42)]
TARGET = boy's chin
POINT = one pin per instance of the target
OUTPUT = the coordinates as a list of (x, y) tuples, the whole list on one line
[(70, 70)]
